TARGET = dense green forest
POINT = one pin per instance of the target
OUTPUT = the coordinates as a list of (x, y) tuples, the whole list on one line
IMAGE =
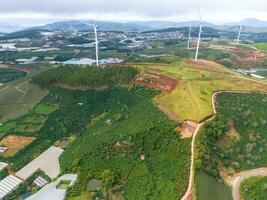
[(86, 77)]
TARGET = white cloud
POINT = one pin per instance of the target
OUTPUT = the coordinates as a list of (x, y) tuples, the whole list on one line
[(178, 10)]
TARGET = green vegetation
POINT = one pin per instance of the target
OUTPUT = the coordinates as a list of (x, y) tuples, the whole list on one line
[(85, 77), (262, 73), (192, 97), (207, 153), (30, 124), (7, 126), (3, 173), (7, 75), (207, 188), (19, 98), (261, 46), (63, 184), (248, 113), (254, 188), (111, 151), (44, 109), (235, 140)]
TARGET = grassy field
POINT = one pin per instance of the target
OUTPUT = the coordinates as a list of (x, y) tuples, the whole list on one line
[(44, 109), (17, 99), (254, 188), (261, 46), (7, 126), (207, 188), (192, 98)]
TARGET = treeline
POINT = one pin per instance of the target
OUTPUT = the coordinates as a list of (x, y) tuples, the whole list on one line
[(86, 77), (207, 152)]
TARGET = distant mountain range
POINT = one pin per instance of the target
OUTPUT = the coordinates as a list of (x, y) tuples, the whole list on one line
[(78, 25), (116, 26), (250, 22)]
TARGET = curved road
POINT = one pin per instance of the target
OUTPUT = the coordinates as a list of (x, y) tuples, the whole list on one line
[(238, 178)]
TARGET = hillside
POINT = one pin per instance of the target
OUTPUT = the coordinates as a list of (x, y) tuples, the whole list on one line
[(85, 77)]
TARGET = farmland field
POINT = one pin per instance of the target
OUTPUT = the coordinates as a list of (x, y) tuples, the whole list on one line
[(15, 144), (7, 75), (19, 98), (254, 188), (30, 124), (44, 109), (208, 188)]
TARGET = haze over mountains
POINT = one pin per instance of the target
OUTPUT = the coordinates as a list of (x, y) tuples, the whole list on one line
[(81, 25)]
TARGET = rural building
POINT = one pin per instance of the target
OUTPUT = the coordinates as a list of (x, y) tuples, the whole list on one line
[(50, 190), (48, 162)]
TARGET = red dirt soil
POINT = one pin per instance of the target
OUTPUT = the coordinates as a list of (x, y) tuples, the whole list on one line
[(187, 129), (156, 81)]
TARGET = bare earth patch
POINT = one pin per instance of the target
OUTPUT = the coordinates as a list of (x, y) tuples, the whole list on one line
[(15, 144), (187, 129), (156, 81)]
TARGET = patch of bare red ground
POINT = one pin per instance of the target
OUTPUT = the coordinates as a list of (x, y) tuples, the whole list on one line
[(259, 55), (187, 129), (163, 83)]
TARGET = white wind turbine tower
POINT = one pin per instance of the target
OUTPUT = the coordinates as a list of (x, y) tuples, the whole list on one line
[(199, 36), (239, 33), (189, 37), (96, 44)]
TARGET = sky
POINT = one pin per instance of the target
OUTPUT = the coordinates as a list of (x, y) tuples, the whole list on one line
[(215, 11)]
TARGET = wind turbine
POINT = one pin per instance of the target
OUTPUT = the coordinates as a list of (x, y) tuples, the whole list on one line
[(96, 43), (239, 33), (189, 37), (199, 36)]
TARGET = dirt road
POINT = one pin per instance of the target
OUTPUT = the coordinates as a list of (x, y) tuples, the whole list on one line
[(239, 178)]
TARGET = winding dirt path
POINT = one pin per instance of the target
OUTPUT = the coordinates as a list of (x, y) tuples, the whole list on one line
[(238, 178)]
